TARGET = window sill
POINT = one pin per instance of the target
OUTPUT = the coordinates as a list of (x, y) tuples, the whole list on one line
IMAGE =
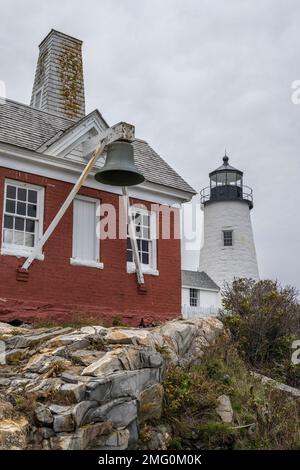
[(21, 254), (88, 264), (145, 269)]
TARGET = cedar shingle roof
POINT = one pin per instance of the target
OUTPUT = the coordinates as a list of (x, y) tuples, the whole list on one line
[(27, 127)]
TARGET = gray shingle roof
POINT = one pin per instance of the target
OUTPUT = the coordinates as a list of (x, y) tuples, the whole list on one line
[(27, 127), (197, 279), (155, 169)]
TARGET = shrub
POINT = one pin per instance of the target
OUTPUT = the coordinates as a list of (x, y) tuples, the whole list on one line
[(264, 319)]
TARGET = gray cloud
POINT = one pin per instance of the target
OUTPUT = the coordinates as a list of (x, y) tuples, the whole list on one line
[(194, 76)]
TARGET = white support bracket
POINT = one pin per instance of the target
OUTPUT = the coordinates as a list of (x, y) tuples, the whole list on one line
[(132, 236), (121, 130)]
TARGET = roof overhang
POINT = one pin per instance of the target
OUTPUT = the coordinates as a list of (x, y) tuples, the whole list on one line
[(68, 170), (186, 286)]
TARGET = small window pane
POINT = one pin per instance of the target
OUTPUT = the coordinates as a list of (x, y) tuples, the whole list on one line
[(138, 231), (8, 221), (32, 196), (22, 194), (145, 245), (31, 210), (138, 218), (146, 232), (146, 220), (11, 192), (21, 208), (145, 258), (8, 236), (19, 223), (19, 238), (10, 206), (29, 239), (30, 225)]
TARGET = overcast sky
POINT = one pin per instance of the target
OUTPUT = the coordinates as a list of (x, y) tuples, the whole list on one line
[(194, 76)]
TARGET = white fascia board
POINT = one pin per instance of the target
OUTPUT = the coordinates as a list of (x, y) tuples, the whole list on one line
[(199, 288), (28, 161)]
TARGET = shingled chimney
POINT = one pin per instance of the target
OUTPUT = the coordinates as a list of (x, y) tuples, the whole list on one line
[(58, 84)]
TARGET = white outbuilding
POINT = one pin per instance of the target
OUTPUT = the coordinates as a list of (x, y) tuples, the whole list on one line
[(200, 294)]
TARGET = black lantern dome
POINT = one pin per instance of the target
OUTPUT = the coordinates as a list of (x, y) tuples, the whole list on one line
[(226, 184)]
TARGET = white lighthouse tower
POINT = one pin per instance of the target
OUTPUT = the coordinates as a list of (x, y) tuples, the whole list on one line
[(228, 249)]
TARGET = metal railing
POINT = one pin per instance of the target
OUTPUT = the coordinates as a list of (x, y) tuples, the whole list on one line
[(226, 192)]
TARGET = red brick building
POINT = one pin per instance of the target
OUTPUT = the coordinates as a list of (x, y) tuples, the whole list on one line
[(43, 149)]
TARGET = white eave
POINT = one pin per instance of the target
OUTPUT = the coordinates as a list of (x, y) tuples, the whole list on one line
[(68, 170)]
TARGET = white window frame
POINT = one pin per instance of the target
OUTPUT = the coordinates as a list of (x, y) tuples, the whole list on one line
[(88, 263), (223, 237), (197, 298), (21, 250), (150, 268)]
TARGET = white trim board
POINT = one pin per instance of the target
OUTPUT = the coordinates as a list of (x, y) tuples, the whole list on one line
[(28, 161), (200, 288)]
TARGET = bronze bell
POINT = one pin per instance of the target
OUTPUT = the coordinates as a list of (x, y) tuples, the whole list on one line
[(119, 168)]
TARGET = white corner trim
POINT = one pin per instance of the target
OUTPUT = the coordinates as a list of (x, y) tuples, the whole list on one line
[(5, 251), (145, 269), (87, 263)]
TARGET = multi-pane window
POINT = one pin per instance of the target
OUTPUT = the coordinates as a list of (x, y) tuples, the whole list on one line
[(22, 216), (227, 237), (194, 297), (143, 222)]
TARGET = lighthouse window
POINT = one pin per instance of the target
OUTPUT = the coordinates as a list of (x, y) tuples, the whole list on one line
[(194, 295), (227, 237)]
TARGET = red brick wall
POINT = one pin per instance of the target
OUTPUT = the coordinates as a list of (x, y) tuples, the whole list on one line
[(58, 290)]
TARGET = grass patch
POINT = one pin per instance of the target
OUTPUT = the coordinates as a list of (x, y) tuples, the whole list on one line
[(75, 320)]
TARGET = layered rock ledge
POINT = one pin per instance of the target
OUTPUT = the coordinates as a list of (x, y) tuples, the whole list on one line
[(92, 387)]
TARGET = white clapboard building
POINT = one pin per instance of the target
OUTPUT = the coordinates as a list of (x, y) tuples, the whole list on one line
[(199, 294)]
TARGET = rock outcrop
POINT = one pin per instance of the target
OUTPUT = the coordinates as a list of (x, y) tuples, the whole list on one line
[(93, 387)]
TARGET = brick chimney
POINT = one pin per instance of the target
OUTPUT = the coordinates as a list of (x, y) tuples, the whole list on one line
[(58, 83)]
